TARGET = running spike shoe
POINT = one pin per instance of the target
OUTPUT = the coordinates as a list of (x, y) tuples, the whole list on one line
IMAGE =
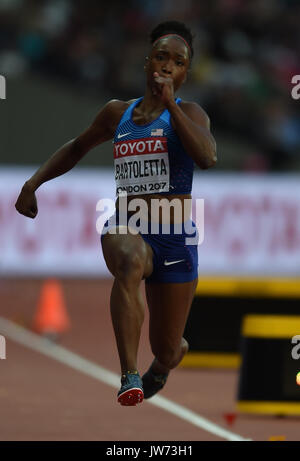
[(131, 391), (153, 383)]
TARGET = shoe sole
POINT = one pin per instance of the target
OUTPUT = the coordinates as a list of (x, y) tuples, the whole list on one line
[(131, 397)]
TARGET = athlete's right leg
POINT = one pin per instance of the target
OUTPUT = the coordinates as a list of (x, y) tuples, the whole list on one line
[(129, 259)]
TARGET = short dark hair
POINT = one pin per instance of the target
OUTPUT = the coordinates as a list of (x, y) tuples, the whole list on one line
[(173, 27)]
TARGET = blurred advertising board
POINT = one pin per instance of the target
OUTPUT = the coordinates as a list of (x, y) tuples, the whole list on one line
[(251, 224)]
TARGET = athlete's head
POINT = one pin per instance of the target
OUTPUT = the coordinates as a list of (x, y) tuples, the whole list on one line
[(177, 30), (171, 53)]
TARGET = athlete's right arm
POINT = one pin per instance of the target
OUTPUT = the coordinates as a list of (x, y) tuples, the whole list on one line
[(65, 158)]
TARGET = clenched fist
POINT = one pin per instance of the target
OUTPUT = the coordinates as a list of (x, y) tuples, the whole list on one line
[(26, 203), (164, 88)]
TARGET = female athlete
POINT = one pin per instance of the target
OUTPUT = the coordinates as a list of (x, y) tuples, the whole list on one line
[(157, 140)]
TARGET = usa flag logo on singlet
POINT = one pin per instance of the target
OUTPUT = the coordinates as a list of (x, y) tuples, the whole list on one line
[(157, 132)]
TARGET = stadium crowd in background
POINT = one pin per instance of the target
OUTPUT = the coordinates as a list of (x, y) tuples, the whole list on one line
[(246, 53)]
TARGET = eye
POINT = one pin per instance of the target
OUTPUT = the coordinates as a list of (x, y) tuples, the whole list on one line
[(159, 57)]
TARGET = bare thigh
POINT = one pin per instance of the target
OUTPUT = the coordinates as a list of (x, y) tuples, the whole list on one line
[(127, 253)]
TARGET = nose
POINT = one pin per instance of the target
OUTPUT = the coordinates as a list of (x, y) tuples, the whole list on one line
[(167, 67)]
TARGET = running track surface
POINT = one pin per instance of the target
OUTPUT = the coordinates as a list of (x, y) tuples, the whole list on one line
[(44, 399)]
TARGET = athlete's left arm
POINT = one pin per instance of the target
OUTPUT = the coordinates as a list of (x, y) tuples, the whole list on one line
[(192, 125)]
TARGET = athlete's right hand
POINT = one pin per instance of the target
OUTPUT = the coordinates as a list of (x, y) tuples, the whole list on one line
[(26, 203)]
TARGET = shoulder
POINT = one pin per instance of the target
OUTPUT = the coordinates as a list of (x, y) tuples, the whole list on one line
[(111, 113), (195, 112), (114, 110), (116, 106)]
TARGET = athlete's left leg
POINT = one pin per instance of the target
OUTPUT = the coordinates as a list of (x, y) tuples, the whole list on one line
[(169, 305)]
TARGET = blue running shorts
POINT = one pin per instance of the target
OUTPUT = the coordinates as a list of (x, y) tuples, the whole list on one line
[(175, 260)]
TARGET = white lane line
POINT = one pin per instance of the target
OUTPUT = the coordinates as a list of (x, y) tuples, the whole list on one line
[(33, 341)]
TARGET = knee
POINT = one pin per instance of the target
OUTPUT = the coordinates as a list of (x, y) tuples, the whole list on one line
[(170, 356), (184, 346), (167, 356)]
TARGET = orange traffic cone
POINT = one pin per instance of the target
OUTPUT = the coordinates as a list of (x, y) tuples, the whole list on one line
[(51, 317)]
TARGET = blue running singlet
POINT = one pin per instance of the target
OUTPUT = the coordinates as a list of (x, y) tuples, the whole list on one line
[(150, 159)]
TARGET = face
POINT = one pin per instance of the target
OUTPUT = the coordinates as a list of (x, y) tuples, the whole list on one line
[(170, 58)]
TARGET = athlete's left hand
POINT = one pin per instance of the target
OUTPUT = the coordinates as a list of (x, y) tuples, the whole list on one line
[(163, 88)]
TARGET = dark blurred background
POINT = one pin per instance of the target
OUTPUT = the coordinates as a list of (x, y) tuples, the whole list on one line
[(64, 59)]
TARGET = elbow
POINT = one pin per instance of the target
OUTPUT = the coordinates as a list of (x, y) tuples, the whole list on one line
[(210, 158), (213, 161), (209, 161)]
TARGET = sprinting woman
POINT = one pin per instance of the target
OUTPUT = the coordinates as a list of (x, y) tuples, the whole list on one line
[(157, 140)]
